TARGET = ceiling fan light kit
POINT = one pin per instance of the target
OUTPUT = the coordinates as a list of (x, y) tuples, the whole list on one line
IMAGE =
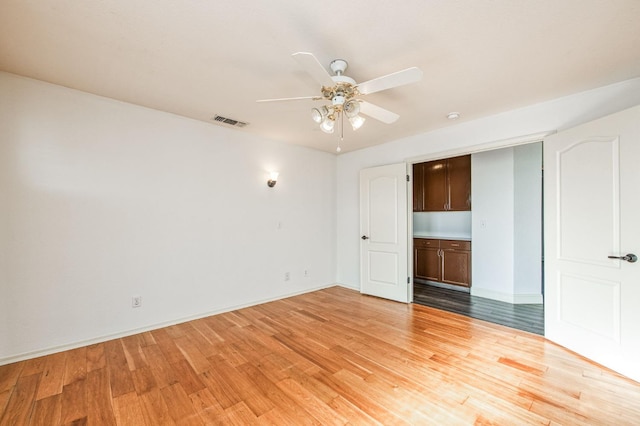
[(343, 92)]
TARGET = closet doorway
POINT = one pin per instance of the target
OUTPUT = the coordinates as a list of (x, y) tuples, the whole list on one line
[(482, 258)]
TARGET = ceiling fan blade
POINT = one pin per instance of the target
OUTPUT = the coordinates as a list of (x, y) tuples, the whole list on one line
[(314, 68), (299, 98), (400, 78), (379, 113)]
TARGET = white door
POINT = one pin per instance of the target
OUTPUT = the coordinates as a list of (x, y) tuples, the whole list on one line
[(383, 232), (592, 211)]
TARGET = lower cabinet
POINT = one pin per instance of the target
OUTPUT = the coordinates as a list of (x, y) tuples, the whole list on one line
[(444, 261), (426, 259)]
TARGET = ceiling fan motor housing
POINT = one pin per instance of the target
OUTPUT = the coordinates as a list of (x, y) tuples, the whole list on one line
[(338, 66), (343, 79)]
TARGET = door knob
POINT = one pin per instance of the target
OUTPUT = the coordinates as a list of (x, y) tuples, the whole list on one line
[(631, 258), (364, 237)]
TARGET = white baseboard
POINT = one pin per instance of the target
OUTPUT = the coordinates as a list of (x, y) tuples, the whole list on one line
[(357, 288), (528, 299), (78, 344), (516, 299)]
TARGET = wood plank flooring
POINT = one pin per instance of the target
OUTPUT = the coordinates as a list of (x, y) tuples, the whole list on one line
[(330, 357), (523, 317)]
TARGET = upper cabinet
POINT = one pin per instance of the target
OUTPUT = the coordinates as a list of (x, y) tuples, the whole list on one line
[(442, 185), (459, 183), (435, 190), (418, 180)]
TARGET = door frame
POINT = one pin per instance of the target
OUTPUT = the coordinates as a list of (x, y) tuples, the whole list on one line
[(410, 228), (438, 155)]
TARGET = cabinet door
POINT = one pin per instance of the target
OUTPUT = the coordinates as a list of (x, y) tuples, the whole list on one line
[(435, 186), (459, 183), (418, 187), (427, 263), (456, 267)]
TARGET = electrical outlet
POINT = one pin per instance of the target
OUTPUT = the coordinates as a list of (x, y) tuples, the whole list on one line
[(136, 301), (306, 273), (287, 276)]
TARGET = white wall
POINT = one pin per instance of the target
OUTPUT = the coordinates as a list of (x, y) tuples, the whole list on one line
[(492, 223), (442, 224), (103, 200), (465, 137), (507, 224), (4, 236), (527, 161)]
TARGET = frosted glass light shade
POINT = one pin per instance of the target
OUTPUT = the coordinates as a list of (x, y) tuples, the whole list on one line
[(319, 114), (352, 108), (327, 125), (316, 115), (356, 122)]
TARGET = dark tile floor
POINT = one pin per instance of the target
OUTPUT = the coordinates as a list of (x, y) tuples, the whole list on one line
[(522, 317)]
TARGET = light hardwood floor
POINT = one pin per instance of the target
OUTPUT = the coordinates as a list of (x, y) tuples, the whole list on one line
[(327, 357)]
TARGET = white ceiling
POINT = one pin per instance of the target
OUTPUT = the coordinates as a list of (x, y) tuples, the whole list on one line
[(198, 58)]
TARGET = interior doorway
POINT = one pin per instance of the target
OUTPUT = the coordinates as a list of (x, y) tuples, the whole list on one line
[(526, 317), (504, 230)]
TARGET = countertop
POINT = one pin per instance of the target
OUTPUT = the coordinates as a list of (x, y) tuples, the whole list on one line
[(442, 236)]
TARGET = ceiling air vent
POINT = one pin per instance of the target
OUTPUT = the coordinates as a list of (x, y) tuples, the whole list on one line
[(229, 121)]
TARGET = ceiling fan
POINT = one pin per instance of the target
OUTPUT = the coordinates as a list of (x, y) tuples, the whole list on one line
[(343, 94)]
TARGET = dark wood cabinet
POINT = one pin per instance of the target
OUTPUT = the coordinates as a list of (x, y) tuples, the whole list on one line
[(442, 185), (459, 183), (456, 262), (443, 261), (434, 186), (426, 259), (418, 180)]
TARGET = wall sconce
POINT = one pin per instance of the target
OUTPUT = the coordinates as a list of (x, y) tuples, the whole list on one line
[(273, 178)]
